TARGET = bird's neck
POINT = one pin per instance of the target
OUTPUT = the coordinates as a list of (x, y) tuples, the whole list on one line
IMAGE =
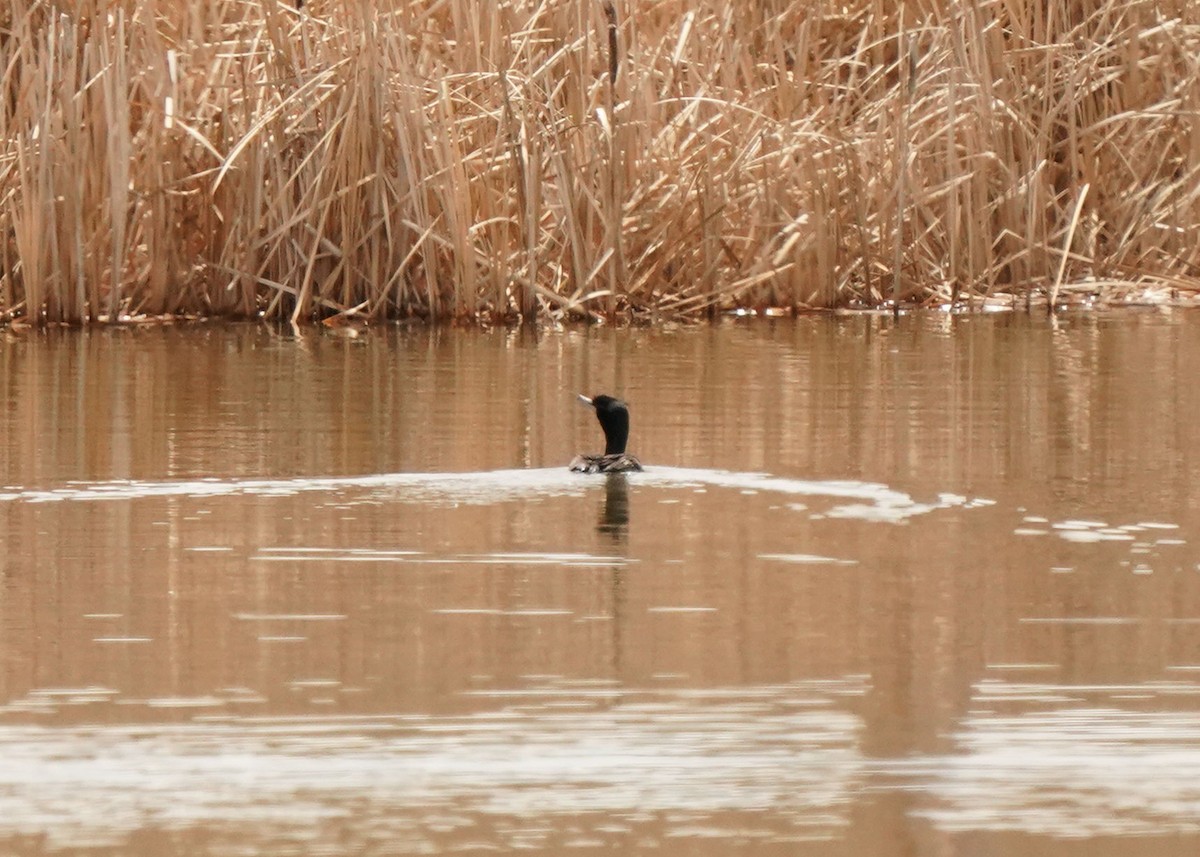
[(615, 440)]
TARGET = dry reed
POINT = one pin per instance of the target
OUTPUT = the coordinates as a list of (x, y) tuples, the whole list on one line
[(503, 158)]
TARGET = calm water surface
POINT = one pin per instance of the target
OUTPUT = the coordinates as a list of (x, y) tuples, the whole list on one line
[(926, 588)]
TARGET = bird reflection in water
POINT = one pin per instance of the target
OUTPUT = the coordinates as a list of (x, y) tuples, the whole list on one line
[(614, 514)]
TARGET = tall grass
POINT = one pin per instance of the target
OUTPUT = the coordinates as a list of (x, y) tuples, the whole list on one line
[(496, 158)]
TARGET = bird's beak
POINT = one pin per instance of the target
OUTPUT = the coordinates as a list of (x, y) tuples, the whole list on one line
[(585, 400)]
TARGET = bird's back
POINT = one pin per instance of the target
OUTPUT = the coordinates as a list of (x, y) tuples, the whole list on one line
[(621, 462)]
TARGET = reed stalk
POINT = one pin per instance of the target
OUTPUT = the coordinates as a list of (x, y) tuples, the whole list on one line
[(496, 159)]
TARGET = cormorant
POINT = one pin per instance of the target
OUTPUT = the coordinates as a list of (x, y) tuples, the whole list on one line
[(613, 415)]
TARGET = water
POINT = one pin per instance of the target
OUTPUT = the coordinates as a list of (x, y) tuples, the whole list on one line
[(883, 589)]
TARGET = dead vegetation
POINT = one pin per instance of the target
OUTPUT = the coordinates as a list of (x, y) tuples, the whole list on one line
[(504, 158)]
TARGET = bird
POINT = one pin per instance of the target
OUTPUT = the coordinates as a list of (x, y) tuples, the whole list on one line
[(613, 415)]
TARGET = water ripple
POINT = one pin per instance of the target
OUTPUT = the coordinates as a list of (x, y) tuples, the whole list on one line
[(1083, 762), (871, 501), (785, 754)]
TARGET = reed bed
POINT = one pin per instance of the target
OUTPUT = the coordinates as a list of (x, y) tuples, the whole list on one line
[(494, 159)]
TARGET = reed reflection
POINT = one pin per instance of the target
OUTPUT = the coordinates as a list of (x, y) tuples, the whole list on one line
[(378, 542)]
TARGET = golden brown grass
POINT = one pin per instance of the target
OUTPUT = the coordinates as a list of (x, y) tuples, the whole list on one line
[(467, 158)]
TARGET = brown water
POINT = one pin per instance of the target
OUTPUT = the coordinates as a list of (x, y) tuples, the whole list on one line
[(927, 588)]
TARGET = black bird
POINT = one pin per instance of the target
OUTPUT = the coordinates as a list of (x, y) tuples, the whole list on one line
[(613, 415)]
